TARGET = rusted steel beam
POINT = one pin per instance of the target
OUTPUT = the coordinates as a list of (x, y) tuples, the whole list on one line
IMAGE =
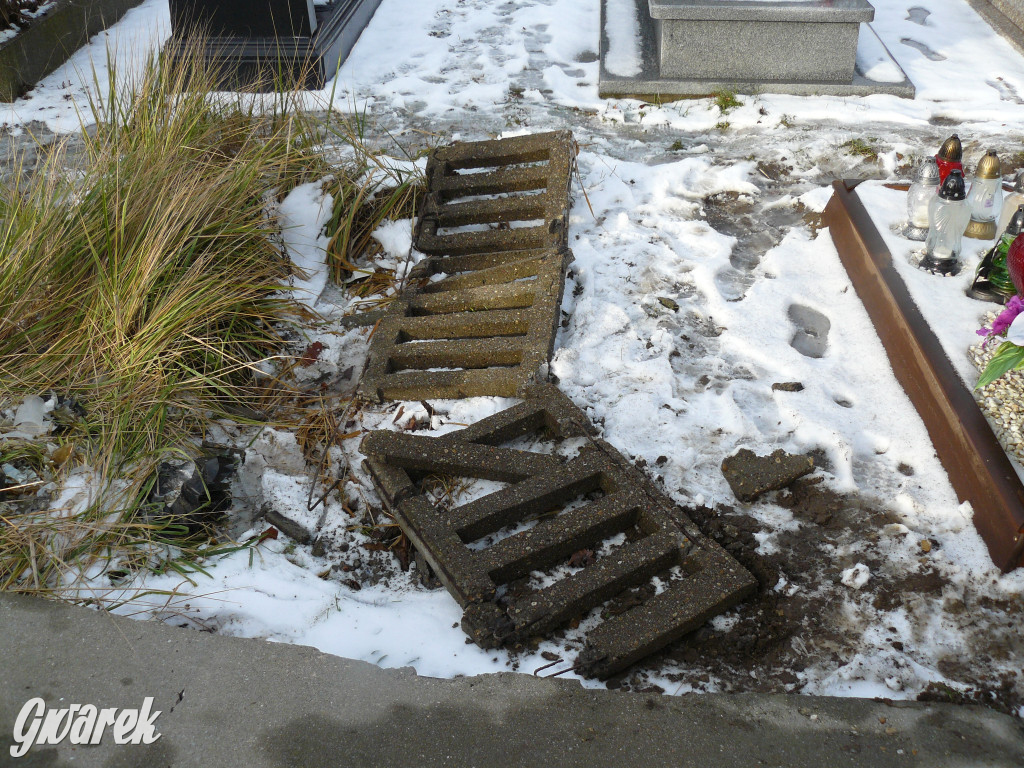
[(976, 463)]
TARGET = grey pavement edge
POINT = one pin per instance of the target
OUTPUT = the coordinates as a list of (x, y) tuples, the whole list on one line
[(238, 702)]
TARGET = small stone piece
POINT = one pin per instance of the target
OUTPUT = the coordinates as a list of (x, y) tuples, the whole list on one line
[(297, 527), (750, 475), (787, 386)]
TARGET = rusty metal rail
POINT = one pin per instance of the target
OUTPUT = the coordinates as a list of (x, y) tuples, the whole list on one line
[(976, 463), (578, 502)]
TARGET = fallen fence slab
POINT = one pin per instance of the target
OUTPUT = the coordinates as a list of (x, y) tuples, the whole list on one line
[(496, 184), (488, 332), (480, 314), (976, 463), (635, 543)]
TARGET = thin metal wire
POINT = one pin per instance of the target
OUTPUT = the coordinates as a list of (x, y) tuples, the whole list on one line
[(541, 669), (574, 668)]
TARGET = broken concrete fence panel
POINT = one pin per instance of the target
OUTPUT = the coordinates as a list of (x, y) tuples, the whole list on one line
[(494, 226), (717, 584), (594, 499), (489, 332), (531, 174)]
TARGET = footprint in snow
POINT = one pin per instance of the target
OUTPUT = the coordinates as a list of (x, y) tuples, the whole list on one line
[(1006, 91), (918, 15), (812, 327), (932, 55)]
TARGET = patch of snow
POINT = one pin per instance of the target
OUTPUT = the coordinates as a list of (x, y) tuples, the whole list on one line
[(623, 27), (857, 576), (30, 417), (395, 237), (303, 215), (873, 60)]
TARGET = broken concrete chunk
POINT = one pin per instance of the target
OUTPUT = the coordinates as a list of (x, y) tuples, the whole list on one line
[(750, 475), (285, 507)]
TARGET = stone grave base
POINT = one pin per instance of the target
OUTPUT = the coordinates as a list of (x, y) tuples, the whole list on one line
[(649, 73)]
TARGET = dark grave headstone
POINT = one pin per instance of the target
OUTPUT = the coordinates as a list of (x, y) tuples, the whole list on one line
[(245, 18), (269, 43)]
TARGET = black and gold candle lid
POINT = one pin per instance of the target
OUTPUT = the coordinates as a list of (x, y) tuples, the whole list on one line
[(953, 187), (1016, 224)]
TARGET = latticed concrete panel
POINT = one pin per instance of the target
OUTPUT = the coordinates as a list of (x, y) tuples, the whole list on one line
[(553, 507), (481, 312), (486, 332), (489, 199)]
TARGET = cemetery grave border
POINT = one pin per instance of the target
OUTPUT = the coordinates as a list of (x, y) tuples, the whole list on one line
[(48, 41), (684, 45), (976, 463)]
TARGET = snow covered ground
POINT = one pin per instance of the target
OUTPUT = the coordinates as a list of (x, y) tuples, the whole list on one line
[(699, 256)]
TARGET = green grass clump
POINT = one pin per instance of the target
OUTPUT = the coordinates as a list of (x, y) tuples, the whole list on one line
[(143, 285), (726, 101), (374, 189), (862, 148)]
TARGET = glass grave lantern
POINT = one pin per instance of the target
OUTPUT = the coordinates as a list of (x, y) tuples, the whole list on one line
[(985, 198), (268, 44), (948, 215), (949, 157), (1012, 201), (919, 196), (1015, 263), (992, 281)]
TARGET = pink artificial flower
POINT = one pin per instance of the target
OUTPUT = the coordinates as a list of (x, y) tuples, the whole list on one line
[(1014, 307)]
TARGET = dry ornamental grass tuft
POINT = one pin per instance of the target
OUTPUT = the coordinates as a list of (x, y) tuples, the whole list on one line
[(144, 287)]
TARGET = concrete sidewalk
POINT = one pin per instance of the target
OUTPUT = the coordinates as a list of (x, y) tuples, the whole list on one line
[(233, 702)]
